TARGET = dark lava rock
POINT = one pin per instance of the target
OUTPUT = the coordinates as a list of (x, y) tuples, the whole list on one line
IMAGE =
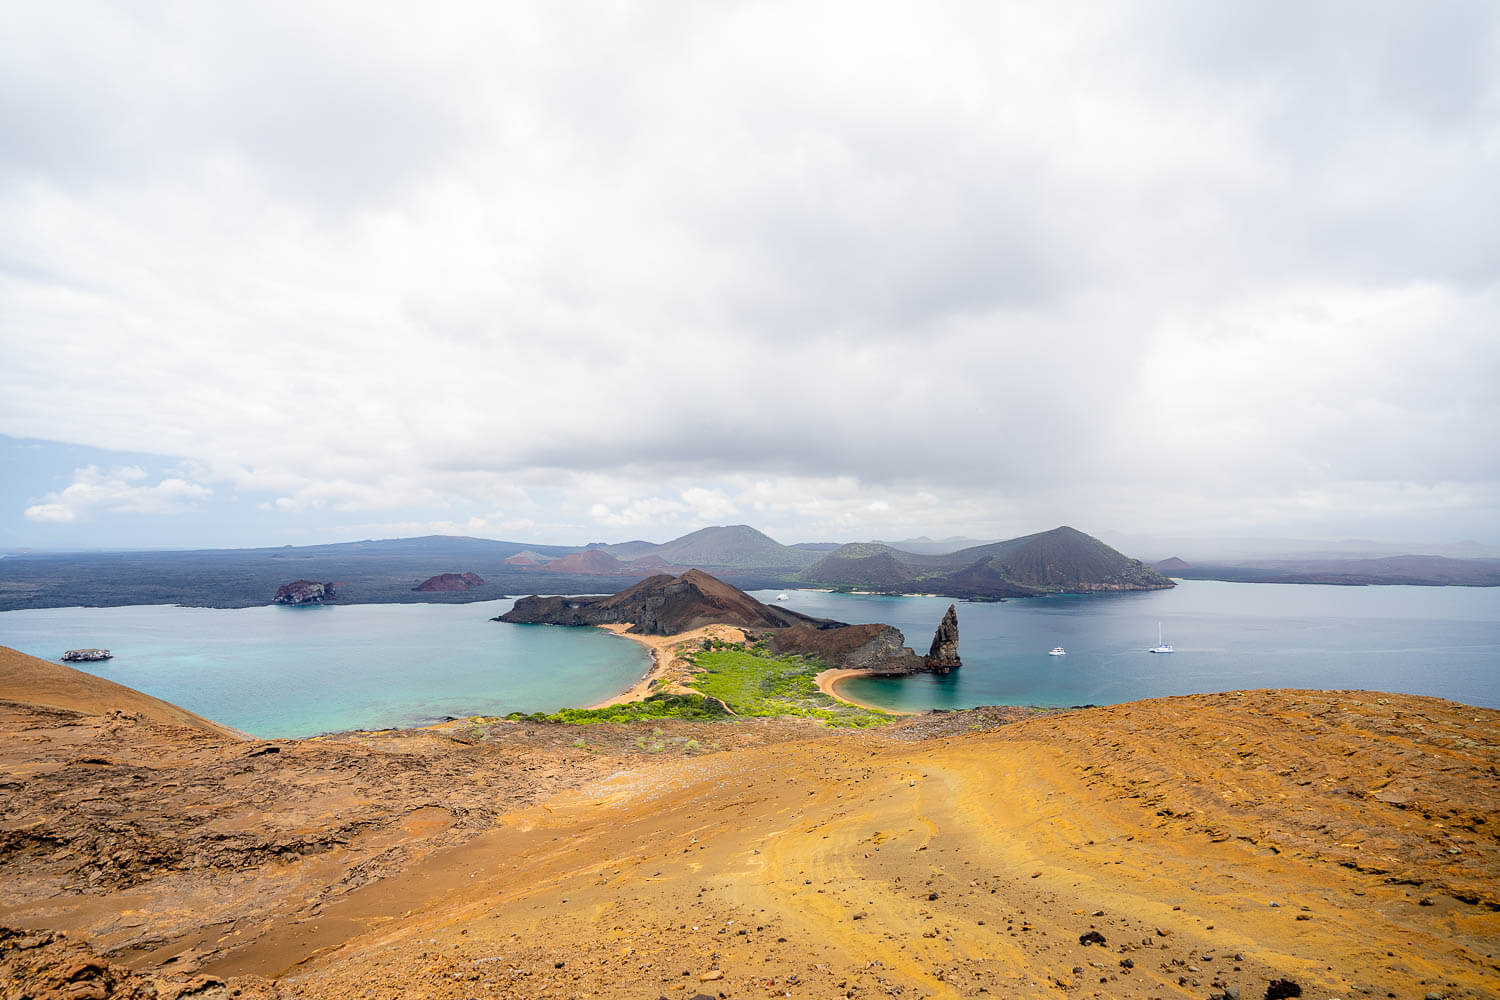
[(943, 656), (304, 592), (1279, 989), (874, 647), (1091, 937), (449, 581)]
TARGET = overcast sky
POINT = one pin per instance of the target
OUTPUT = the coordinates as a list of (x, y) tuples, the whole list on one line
[(302, 272)]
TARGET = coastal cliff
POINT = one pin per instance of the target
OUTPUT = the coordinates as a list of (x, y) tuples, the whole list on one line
[(876, 648)]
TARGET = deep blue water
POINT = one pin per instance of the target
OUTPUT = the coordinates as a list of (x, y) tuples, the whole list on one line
[(275, 671), (1442, 641), (279, 671)]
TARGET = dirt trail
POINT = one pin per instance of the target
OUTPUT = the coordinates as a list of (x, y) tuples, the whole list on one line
[(1342, 839)]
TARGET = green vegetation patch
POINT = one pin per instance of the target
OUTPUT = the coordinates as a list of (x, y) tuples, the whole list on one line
[(656, 706), (753, 682)]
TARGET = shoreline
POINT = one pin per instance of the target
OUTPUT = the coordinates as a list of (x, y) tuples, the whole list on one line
[(830, 679), (666, 662)]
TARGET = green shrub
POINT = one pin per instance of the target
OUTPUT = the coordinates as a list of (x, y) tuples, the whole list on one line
[(753, 683)]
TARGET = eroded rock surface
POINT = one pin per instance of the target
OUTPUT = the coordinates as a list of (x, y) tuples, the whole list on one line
[(304, 592), (880, 648), (943, 656)]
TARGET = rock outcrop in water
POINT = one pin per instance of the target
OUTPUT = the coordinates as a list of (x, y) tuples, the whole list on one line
[(449, 582), (943, 656), (304, 592), (87, 655)]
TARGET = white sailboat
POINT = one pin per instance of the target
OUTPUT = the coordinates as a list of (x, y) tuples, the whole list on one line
[(783, 597), (1161, 647), (1057, 651)]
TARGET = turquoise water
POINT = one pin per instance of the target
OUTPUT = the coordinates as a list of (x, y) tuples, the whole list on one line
[(275, 671), (1442, 641), (279, 671)]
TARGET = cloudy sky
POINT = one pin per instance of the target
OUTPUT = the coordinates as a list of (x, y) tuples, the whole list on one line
[(298, 272)]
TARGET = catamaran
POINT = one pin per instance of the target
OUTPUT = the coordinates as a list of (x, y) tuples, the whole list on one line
[(1057, 651), (1161, 647)]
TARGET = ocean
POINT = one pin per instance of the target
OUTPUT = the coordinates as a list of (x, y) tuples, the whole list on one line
[(280, 672), (1442, 641)]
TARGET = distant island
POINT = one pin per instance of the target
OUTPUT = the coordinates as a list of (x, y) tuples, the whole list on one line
[(1060, 560), (1411, 571)]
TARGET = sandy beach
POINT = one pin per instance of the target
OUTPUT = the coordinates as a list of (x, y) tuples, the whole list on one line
[(829, 681), (667, 662)]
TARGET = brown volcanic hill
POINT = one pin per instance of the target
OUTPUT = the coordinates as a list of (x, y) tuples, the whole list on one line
[(592, 562), (653, 565), (660, 605), (27, 680), (449, 581), (1172, 564), (528, 558)]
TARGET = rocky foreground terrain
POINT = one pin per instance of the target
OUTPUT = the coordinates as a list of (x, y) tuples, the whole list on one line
[(1185, 847)]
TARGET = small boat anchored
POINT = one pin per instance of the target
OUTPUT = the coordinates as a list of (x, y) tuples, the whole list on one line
[(1057, 651), (1161, 647), (783, 597)]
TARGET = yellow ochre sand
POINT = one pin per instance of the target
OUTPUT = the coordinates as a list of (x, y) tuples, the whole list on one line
[(667, 661), (941, 856)]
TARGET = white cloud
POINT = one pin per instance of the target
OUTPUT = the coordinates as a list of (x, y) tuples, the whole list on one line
[(94, 489), (610, 270)]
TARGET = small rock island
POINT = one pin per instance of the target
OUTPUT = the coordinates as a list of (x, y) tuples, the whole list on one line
[(86, 655), (304, 592), (943, 656)]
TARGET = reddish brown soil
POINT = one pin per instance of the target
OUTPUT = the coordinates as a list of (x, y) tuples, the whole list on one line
[(961, 854)]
